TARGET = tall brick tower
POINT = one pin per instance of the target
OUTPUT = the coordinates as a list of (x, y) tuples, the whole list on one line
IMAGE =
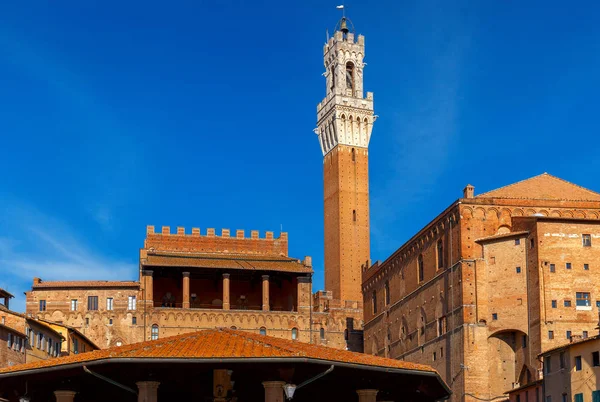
[(345, 120)]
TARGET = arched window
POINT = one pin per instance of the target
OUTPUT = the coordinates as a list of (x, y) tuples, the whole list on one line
[(350, 76), (294, 333), (440, 253), (353, 155), (387, 293), (374, 302), (154, 332), (421, 268), (233, 327), (332, 78), (322, 333), (263, 331)]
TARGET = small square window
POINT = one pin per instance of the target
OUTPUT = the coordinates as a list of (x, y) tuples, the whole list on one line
[(598, 303), (584, 334), (434, 356), (133, 320), (550, 334), (524, 341), (494, 316), (552, 268), (518, 270), (567, 303), (568, 334), (517, 242), (586, 267), (532, 243), (586, 240), (554, 304), (564, 397), (568, 265)]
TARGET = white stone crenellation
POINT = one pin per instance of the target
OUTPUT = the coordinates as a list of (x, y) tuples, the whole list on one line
[(345, 116)]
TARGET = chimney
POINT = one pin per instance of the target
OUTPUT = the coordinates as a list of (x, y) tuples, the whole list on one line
[(469, 191)]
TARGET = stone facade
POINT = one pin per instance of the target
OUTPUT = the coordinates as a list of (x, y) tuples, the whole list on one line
[(472, 293), (572, 371)]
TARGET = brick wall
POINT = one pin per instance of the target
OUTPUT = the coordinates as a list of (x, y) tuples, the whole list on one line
[(212, 243)]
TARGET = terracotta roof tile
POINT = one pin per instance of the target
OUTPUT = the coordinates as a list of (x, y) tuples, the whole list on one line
[(222, 344), (226, 261), (86, 284)]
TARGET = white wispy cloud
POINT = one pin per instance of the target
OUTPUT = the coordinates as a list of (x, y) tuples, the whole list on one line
[(36, 245)]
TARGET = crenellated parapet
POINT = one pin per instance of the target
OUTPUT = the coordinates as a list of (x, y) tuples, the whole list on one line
[(211, 242)]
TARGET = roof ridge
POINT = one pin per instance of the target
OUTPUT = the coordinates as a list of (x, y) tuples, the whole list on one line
[(257, 338), (546, 174)]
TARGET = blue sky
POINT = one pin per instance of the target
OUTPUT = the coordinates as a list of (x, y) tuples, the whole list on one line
[(117, 115)]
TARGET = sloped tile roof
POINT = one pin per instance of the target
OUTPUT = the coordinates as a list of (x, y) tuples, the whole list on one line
[(85, 284), (226, 261), (502, 236), (222, 343), (543, 187)]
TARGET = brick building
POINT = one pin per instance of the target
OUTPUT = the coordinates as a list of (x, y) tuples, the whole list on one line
[(191, 281), (490, 283)]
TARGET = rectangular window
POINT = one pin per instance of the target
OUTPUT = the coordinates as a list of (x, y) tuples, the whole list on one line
[(518, 397), (39, 341), (92, 303), (584, 334), (552, 268), (549, 398), (109, 303), (524, 341), (598, 303), (586, 240), (547, 364), (596, 359), (42, 305), (421, 268), (582, 299), (387, 293), (9, 342), (75, 346), (562, 359), (586, 267), (596, 396), (74, 305), (568, 334), (554, 304), (441, 326), (532, 243), (434, 356), (440, 254), (494, 316), (577, 363), (567, 303), (578, 397), (133, 320), (517, 242), (564, 397), (131, 303), (518, 270), (50, 346), (568, 265), (550, 334)]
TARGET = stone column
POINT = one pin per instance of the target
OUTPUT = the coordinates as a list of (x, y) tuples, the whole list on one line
[(147, 391), (265, 293), (186, 290), (64, 396), (274, 391), (367, 395), (148, 287), (226, 304)]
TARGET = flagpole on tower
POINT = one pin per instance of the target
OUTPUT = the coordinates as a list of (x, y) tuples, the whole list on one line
[(341, 7)]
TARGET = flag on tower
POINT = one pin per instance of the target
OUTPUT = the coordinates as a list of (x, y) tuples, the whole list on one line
[(340, 7)]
